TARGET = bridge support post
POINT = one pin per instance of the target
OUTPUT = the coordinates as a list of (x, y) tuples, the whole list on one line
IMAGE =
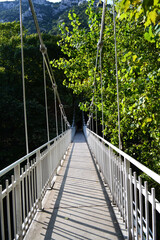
[(18, 202), (39, 180), (128, 199)]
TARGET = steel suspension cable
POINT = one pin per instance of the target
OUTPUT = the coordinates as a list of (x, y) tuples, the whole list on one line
[(61, 122), (100, 67), (46, 105), (53, 82), (96, 121), (55, 104), (46, 58), (94, 90), (94, 84), (102, 21), (116, 66), (23, 80), (61, 109), (99, 46), (100, 60), (92, 123)]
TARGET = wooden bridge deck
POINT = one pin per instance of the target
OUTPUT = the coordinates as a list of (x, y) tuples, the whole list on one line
[(78, 206)]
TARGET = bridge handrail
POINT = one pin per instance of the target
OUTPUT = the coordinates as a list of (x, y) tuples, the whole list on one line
[(137, 164), (26, 185), (137, 204), (21, 160)]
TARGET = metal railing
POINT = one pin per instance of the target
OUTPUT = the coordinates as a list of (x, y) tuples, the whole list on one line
[(138, 207), (26, 184)]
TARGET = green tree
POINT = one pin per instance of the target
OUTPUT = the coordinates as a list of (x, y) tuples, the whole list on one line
[(148, 11), (138, 63), (11, 107)]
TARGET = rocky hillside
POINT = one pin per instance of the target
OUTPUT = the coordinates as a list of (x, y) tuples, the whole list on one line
[(48, 13)]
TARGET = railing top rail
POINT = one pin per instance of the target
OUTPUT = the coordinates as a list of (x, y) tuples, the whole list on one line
[(13, 165), (139, 165)]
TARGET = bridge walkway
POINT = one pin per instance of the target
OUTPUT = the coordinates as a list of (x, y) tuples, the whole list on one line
[(78, 206)]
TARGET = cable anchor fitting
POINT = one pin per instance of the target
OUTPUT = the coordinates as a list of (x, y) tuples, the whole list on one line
[(43, 49), (100, 44), (54, 86), (65, 118)]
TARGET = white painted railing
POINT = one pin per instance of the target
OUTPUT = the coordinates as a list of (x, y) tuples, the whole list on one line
[(26, 184), (138, 207)]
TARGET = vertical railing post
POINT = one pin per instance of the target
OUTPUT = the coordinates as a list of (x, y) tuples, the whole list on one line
[(55, 159), (1, 215), (140, 207), (131, 200), (18, 201), (153, 214), (128, 203), (50, 165), (146, 210), (113, 176), (110, 170), (135, 205), (39, 180)]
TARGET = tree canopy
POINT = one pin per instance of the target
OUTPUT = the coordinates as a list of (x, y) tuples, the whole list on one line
[(138, 70), (11, 94)]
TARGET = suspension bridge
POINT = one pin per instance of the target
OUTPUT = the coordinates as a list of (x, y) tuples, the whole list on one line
[(77, 185)]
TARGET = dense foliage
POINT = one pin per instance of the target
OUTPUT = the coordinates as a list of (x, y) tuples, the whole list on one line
[(12, 144), (80, 11), (139, 73), (147, 12)]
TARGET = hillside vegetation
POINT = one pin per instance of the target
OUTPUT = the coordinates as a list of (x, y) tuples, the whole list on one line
[(49, 16), (12, 144)]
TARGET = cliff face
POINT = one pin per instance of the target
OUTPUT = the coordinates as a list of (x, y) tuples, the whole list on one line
[(46, 12), (64, 4), (11, 3)]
